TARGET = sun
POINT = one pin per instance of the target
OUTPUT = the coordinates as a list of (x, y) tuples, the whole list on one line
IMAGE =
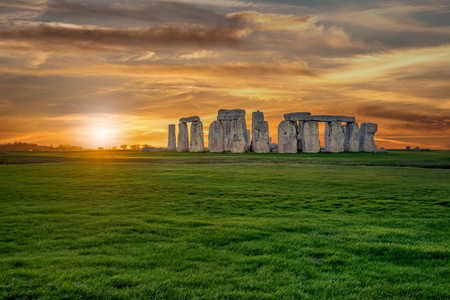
[(102, 136)]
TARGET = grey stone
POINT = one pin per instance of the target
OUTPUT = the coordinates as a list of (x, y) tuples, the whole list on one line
[(172, 144), (366, 137), (310, 137), (190, 119), (351, 137), (226, 125), (230, 114), (215, 137), (183, 138), (417, 149), (273, 147), (238, 132), (295, 116), (247, 140), (299, 136), (322, 118), (260, 133), (334, 137), (382, 150), (287, 137), (197, 143)]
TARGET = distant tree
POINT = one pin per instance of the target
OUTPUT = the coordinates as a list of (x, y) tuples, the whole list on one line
[(408, 148), (114, 148), (123, 147)]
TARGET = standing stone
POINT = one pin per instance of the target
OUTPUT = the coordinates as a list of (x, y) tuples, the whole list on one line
[(351, 137), (299, 136), (197, 143), (287, 137), (238, 131), (215, 137), (366, 137), (183, 137), (260, 133), (310, 137), (334, 137), (247, 140), (172, 144), (226, 125)]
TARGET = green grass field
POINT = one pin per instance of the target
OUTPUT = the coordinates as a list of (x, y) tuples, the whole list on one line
[(125, 224)]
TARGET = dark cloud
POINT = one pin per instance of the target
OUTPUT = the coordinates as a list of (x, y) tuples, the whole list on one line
[(413, 115), (142, 38), (151, 11)]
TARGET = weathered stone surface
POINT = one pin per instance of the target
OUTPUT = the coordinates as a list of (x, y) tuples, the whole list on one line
[(382, 150), (183, 138), (260, 133), (310, 137), (226, 125), (215, 137), (322, 118), (273, 147), (197, 143), (366, 137), (238, 132), (295, 116), (230, 114), (351, 137), (299, 136), (287, 137), (247, 140), (334, 137), (190, 119), (172, 144), (417, 149)]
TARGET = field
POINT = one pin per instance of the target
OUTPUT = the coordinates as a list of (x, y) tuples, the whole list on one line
[(125, 224)]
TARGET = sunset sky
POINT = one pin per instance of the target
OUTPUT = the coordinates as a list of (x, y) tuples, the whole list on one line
[(104, 73)]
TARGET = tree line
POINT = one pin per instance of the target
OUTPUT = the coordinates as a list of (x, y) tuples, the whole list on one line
[(20, 146)]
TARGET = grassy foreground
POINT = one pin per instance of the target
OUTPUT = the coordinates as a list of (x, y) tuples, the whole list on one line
[(122, 225)]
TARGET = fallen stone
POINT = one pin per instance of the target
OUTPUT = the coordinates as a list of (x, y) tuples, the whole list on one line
[(310, 137), (153, 149), (382, 150), (230, 114), (334, 137), (366, 137), (351, 137), (215, 137), (197, 143), (321, 118), (273, 147), (190, 119), (183, 138), (172, 144), (287, 137)]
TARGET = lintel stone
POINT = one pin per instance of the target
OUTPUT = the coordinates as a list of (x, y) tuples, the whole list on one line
[(294, 116), (230, 114), (190, 119), (321, 118)]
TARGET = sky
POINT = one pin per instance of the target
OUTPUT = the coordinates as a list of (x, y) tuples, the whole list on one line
[(97, 73)]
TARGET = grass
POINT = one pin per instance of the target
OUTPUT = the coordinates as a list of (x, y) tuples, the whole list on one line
[(123, 225)]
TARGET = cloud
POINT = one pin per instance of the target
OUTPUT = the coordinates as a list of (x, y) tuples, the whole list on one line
[(416, 117), (86, 37), (151, 11), (270, 22)]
